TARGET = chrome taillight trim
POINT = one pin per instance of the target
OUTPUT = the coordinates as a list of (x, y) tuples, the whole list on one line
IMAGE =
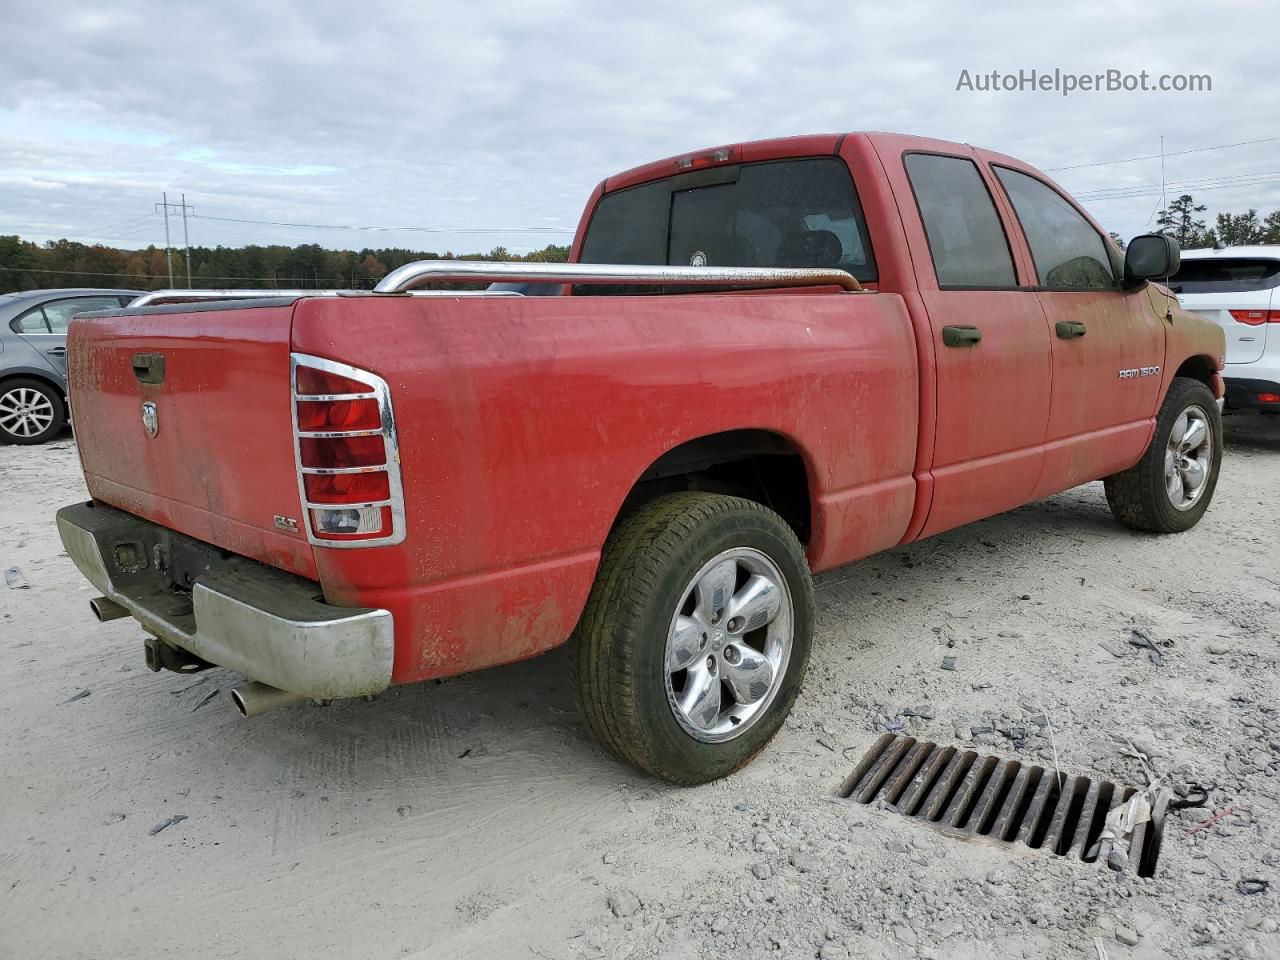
[(331, 397), (337, 471), (348, 506), (380, 391), (327, 434)]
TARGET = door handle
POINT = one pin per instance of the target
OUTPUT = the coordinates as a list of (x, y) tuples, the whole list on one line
[(57, 351), (961, 336), (149, 367), (1070, 329)]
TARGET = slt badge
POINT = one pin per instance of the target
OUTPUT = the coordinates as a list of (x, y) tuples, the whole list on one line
[(150, 419)]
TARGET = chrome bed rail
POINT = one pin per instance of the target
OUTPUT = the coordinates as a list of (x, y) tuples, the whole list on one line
[(402, 280), (156, 297), (427, 271)]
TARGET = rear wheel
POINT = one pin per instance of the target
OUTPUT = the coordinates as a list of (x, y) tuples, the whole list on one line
[(30, 411), (696, 636), (1169, 489)]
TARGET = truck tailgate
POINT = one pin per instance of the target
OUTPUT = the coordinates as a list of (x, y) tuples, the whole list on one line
[(220, 466)]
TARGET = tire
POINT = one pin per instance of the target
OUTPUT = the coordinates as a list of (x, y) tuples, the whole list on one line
[(664, 569), (31, 411), (1144, 496)]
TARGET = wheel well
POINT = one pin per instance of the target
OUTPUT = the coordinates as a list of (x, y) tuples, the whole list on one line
[(757, 465), (1198, 368), (62, 394)]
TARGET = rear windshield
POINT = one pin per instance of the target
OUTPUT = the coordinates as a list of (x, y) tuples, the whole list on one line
[(1225, 275), (785, 213)]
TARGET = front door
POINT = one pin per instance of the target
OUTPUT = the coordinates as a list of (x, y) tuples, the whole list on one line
[(1108, 342), (990, 343)]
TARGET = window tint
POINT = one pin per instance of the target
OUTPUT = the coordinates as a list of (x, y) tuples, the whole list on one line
[(966, 239), (1226, 275), (30, 322), (1067, 251), (791, 213), (630, 226), (60, 312)]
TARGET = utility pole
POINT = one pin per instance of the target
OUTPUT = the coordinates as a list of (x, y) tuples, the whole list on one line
[(168, 253), (186, 242)]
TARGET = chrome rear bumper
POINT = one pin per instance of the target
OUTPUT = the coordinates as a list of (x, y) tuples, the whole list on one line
[(264, 623)]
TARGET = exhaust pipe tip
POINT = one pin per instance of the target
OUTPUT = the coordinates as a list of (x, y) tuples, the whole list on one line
[(106, 609), (255, 699)]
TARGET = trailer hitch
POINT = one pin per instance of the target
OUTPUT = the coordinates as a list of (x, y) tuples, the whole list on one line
[(164, 656)]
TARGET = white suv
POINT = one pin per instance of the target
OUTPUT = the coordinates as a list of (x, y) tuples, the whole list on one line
[(1236, 288)]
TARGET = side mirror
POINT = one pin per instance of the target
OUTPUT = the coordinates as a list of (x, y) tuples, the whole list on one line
[(1150, 256)]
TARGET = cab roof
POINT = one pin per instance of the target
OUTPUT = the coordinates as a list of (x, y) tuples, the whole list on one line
[(782, 147)]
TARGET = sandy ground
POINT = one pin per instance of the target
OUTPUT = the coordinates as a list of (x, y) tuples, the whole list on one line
[(475, 818)]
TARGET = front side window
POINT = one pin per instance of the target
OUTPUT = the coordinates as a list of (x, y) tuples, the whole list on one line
[(1069, 253), (966, 240), (785, 213)]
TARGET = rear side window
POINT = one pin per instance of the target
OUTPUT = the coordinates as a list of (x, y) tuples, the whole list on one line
[(1069, 253), (60, 312), (966, 240), (1226, 275), (30, 322), (54, 317), (786, 213)]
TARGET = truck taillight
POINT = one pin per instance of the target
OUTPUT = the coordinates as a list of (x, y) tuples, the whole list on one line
[(347, 455), (1255, 318)]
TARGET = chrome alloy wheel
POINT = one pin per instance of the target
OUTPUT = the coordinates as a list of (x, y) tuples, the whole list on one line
[(1188, 458), (728, 644), (25, 412)]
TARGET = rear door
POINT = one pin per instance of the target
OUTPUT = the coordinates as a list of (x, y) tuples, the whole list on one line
[(1108, 343), (44, 327), (990, 341)]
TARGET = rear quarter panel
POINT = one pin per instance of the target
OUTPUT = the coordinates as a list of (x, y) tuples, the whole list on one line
[(524, 422)]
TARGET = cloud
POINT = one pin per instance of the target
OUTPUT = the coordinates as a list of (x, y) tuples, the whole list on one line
[(466, 115)]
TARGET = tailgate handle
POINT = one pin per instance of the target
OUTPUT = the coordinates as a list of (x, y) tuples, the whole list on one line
[(149, 367)]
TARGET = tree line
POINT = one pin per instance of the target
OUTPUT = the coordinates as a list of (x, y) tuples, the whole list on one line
[(1181, 220), (25, 265)]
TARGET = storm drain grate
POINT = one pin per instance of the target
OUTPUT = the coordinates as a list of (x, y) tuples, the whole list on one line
[(963, 792)]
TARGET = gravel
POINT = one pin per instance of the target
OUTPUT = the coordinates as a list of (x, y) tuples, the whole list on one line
[(544, 846)]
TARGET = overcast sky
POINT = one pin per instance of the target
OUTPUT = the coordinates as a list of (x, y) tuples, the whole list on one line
[(499, 119)]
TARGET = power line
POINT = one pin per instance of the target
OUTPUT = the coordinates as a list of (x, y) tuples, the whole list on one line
[(111, 228), (1141, 189), (121, 235), (1156, 156), (1155, 191), (346, 226), (1206, 183)]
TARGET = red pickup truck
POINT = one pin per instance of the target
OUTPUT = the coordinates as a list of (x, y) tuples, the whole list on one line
[(763, 360)]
